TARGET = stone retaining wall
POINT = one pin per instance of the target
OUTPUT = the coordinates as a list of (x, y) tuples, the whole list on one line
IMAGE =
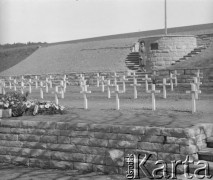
[(94, 147)]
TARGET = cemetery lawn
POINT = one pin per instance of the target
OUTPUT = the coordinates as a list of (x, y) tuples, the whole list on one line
[(175, 111)]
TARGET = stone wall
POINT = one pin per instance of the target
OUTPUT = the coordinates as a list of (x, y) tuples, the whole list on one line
[(170, 49), (94, 147)]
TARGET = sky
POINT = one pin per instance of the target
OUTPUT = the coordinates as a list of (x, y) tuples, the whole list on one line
[(63, 20)]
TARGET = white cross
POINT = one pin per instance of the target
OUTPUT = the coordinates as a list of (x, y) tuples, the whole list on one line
[(123, 80), (135, 87), (98, 79), (102, 81), (115, 76), (108, 89), (30, 87), (153, 91), (36, 81), (164, 87), (193, 92), (117, 92), (175, 74), (46, 84), (197, 85), (171, 81), (65, 79), (10, 82), (41, 90), (61, 86), (199, 75), (81, 80), (146, 79), (15, 84), (85, 92)]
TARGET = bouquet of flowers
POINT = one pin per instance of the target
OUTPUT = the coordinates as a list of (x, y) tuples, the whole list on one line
[(21, 106)]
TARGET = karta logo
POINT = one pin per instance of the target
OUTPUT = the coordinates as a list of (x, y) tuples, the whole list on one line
[(135, 165)]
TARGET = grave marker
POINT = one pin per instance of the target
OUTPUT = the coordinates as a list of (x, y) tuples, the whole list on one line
[(171, 81), (193, 92), (135, 84), (36, 81), (85, 92), (10, 82), (146, 79), (199, 75), (117, 92), (41, 90), (164, 84), (197, 85), (108, 89), (175, 74), (153, 92), (135, 88), (123, 80), (102, 81), (98, 79), (115, 76)]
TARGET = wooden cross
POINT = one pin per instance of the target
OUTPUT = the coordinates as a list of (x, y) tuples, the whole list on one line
[(171, 81), (197, 85), (135, 85), (117, 92), (153, 92), (123, 80), (193, 92), (102, 81), (146, 79), (175, 74), (164, 87), (85, 92)]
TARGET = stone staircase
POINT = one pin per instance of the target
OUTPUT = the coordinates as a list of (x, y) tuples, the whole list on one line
[(203, 42), (132, 61), (207, 153)]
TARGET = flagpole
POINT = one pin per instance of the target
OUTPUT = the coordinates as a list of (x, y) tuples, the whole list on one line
[(165, 20)]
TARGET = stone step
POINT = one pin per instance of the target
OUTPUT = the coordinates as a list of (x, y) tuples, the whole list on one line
[(206, 154), (195, 52), (209, 142)]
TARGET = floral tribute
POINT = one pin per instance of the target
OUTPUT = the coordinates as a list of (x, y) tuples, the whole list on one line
[(20, 105)]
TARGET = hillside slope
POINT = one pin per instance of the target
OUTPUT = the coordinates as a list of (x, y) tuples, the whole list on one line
[(11, 57), (96, 56)]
